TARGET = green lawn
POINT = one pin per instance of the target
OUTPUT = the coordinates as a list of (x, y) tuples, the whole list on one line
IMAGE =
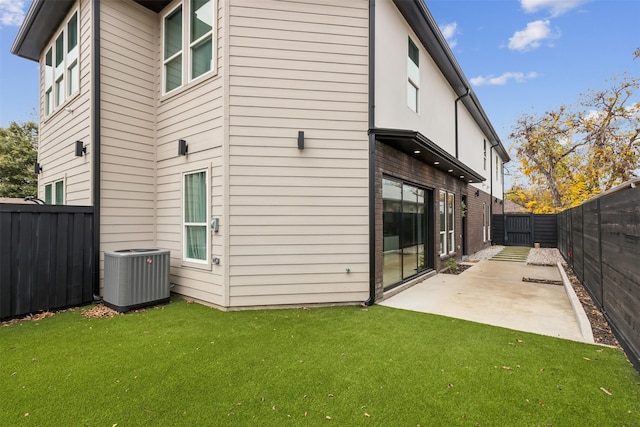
[(187, 364)]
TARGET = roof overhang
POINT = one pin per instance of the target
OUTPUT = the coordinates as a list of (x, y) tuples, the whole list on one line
[(39, 26), (419, 147), (43, 19), (417, 15)]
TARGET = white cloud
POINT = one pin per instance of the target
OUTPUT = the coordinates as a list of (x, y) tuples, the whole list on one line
[(449, 32), (503, 79), (11, 12), (532, 35), (556, 7)]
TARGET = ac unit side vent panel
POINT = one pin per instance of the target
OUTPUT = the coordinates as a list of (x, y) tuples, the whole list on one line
[(135, 278)]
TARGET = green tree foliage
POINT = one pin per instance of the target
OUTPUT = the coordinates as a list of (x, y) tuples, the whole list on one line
[(18, 153), (569, 155)]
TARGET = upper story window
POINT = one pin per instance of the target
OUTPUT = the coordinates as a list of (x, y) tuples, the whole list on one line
[(61, 66), (188, 43), (413, 76), (485, 154)]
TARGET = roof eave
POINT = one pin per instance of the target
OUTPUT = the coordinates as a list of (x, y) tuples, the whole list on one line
[(39, 25), (418, 146), (44, 17)]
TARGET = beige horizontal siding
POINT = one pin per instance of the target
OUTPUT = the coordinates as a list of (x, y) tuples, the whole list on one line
[(298, 219), (60, 130), (194, 113), (128, 34)]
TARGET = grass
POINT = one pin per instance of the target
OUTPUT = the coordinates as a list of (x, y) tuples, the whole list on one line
[(186, 364)]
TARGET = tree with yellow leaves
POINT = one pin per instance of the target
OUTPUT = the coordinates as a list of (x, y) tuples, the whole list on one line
[(569, 156)]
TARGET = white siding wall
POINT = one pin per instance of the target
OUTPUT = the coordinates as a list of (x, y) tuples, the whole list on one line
[(193, 113), (127, 182), (298, 218), (436, 116), (60, 130)]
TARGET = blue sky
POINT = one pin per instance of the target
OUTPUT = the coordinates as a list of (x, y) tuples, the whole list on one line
[(520, 55)]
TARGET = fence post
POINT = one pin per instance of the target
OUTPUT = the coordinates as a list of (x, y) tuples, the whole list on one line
[(598, 210)]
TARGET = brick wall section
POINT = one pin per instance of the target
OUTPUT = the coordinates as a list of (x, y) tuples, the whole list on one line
[(395, 164)]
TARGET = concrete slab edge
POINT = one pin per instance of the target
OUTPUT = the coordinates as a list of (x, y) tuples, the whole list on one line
[(581, 316)]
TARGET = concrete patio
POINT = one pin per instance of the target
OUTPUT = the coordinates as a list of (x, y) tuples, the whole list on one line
[(494, 293)]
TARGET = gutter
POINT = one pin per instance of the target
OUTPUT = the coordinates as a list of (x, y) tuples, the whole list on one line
[(455, 103), (95, 131), (372, 156)]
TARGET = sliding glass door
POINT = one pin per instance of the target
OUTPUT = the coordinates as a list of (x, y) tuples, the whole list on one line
[(405, 232)]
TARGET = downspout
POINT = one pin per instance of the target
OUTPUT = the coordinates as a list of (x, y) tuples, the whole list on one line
[(491, 187), (372, 156), (455, 103), (95, 130)]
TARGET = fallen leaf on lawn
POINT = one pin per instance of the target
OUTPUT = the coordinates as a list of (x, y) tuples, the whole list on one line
[(541, 403), (330, 395), (450, 385), (604, 390), (508, 368), (273, 407), (328, 417), (26, 415), (519, 341), (586, 358), (367, 415), (305, 414)]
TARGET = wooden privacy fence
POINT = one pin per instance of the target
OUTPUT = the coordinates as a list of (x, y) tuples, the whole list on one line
[(46, 258), (601, 241), (525, 230)]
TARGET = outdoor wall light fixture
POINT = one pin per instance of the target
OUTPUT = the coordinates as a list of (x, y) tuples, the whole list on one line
[(300, 140), (37, 168), (80, 149), (182, 147), (477, 193)]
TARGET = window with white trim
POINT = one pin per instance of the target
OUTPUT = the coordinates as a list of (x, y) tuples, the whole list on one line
[(485, 155), (486, 222), (196, 236), (54, 193), (447, 222), (413, 76), (189, 43), (61, 66)]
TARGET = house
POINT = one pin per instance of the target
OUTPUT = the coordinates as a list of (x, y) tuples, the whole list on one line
[(285, 152)]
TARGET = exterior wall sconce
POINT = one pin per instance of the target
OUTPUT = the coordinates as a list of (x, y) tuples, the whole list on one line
[(300, 140), (80, 149), (477, 193), (183, 149), (37, 168)]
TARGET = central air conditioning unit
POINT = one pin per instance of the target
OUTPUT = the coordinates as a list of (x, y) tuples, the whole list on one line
[(135, 278)]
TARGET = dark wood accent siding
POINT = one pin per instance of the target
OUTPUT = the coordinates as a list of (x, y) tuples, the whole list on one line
[(46, 258)]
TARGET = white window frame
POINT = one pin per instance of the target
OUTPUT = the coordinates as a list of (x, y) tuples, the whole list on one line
[(193, 261), (451, 221), (52, 185), (413, 79), (488, 225), (447, 233), (485, 154), (442, 213), (188, 46), (59, 79)]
